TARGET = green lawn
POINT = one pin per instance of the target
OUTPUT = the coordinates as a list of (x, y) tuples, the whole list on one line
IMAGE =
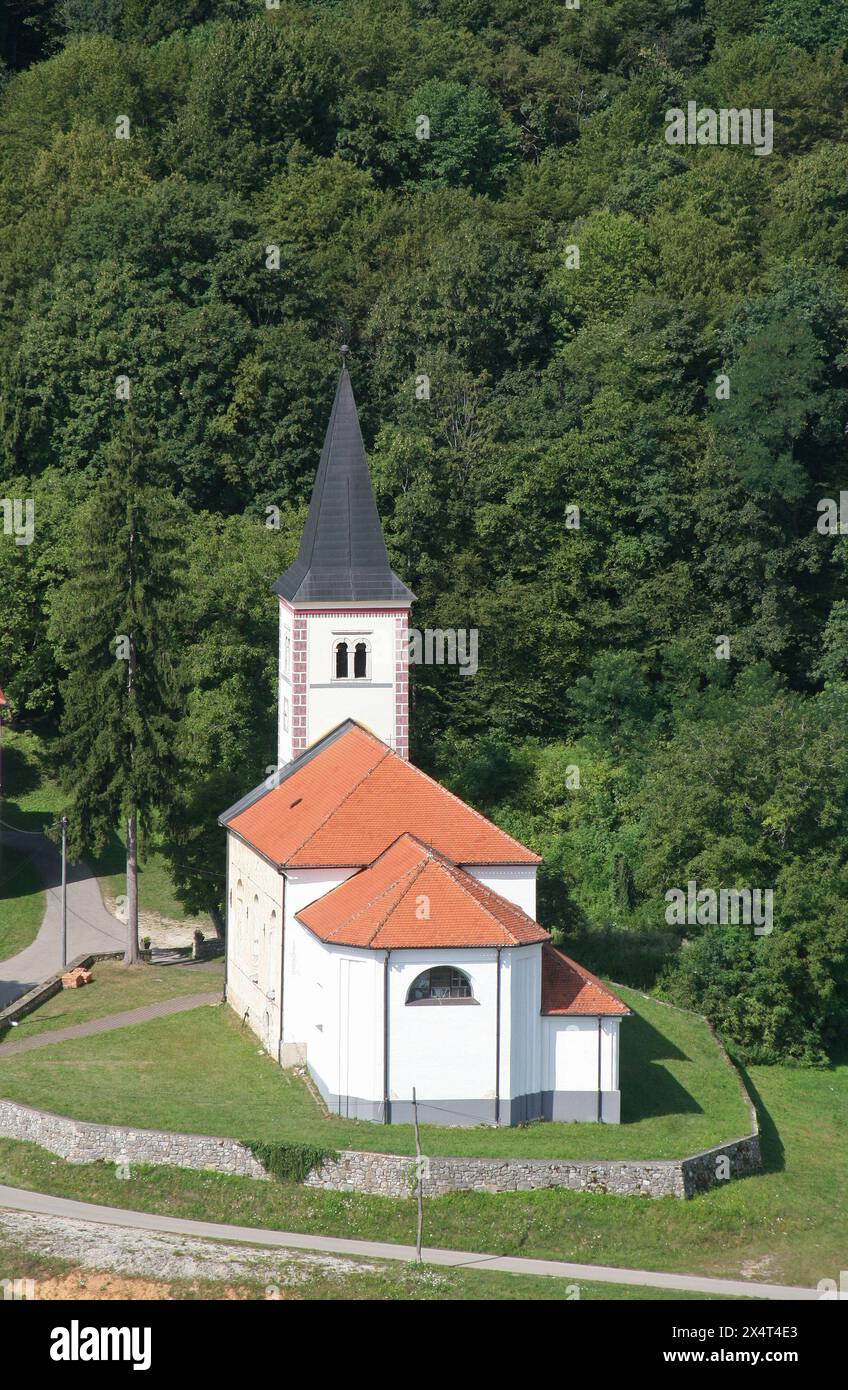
[(22, 901), (788, 1225), (681, 1096), (114, 988)]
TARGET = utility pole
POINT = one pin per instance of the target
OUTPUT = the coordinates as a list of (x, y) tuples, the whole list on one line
[(64, 892), (420, 1194)]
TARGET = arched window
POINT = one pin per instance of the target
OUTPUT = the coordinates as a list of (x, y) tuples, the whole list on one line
[(351, 658), (255, 941), (239, 916), (441, 985)]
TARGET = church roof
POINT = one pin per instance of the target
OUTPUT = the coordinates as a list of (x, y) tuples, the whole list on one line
[(412, 896), (568, 988), (342, 556), (345, 800)]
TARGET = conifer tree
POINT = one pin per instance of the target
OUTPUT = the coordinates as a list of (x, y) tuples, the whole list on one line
[(114, 624)]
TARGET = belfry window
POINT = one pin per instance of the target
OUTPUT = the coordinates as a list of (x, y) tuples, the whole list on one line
[(352, 659)]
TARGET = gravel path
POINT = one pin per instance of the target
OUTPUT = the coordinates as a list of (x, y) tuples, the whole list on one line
[(157, 1255)]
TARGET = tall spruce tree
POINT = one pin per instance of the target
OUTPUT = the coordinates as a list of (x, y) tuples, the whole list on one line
[(114, 623)]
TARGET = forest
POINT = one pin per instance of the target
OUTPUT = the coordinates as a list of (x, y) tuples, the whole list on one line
[(206, 198)]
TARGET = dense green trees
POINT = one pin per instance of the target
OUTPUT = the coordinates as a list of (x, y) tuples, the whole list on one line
[(113, 623), (682, 384)]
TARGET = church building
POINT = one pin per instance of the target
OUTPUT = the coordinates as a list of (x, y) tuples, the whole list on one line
[(380, 932)]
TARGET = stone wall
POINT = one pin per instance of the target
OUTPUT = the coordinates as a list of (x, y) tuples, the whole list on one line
[(393, 1176), (79, 1141), (384, 1175)]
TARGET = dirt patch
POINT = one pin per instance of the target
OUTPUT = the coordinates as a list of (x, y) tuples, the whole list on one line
[(82, 1286), (163, 931), (761, 1269)]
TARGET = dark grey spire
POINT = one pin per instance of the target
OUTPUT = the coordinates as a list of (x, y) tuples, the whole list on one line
[(342, 556)]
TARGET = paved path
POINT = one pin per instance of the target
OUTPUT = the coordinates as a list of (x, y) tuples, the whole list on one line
[(90, 926), (143, 1014), (17, 1199)]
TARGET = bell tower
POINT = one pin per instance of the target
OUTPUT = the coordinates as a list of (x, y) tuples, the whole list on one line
[(344, 614)]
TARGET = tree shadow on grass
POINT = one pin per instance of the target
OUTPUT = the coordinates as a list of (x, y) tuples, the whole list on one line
[(647, 1088), (771, 1144)]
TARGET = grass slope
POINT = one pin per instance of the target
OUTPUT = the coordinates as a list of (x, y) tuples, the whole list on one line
[(788, 1225), (680, 1095), (22, 901), (114, 988)]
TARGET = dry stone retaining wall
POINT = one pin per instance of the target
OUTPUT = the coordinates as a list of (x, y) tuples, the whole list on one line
[(79, 1141), (382, 1175)]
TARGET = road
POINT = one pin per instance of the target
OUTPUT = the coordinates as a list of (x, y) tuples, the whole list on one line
[(17, 1199), (90, 926)]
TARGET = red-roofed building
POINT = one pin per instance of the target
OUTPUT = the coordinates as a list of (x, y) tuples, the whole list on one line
[(379, 930)]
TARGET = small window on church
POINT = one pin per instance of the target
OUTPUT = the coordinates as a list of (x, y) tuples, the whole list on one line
[(360, 661), (341, 661), (441, 985), (285, 715), (287, 654)]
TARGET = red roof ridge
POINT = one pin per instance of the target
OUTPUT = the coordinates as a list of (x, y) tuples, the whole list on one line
[(412, 873), (560, 959), (348, 794), (580, 969), (465, 805), (506, 917), (459, 875)]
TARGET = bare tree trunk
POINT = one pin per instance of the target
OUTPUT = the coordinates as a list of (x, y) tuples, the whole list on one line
[(217, 921), (131, 954)]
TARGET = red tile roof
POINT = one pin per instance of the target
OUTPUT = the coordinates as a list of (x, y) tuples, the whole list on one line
[(346, 800), (568, 988), (412, 896)]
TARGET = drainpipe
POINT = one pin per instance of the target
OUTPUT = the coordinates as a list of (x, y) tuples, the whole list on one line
[(227, 918), (498, 1046), (386, 1103), (282, 962), (600, 1101)]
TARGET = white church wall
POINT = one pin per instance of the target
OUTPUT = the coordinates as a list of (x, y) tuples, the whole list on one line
[(515, 882), (584, 1056), (255, 914), (446, 1051), (371, 701), (355, 1066), (573, 1050), (306, 988), (522, 991)]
